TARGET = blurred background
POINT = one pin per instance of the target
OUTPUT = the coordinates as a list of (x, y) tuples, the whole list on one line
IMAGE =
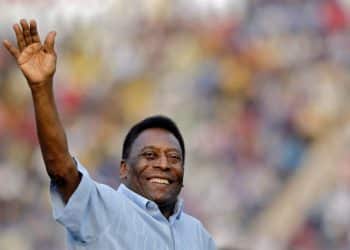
[(259, 88)]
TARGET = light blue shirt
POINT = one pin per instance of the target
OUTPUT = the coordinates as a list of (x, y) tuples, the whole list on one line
[(98, 217)]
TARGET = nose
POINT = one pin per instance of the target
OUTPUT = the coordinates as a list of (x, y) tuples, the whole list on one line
[(162, 162)]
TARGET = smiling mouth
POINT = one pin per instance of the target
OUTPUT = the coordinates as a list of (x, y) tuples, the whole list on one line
[(160, 181)]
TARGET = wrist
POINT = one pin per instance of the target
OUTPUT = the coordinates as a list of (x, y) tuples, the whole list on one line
[(44, 85)]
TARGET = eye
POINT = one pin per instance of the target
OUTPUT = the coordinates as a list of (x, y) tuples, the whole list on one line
[(174, 158), (149, 155)]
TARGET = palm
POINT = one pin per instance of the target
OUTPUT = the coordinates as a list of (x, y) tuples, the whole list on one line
[(36, 60), (36, 64)]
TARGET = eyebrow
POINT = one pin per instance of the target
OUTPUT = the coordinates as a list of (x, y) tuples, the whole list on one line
[(155, 148)]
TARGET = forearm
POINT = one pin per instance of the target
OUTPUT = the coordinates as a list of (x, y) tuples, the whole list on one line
[(53, 142), (37, 62)]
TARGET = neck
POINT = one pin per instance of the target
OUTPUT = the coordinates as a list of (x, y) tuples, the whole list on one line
[(167, 209)]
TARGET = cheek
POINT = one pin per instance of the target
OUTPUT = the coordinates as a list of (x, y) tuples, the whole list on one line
[(179, 172), (139, 169)]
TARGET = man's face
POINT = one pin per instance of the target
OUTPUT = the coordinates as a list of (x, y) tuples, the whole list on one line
[(154, 168)]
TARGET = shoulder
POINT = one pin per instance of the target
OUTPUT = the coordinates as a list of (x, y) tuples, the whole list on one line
[(96, 188), (190, 219), (194, 223), (197, 227)]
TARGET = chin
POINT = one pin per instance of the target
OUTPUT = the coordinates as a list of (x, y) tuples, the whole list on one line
[(165, 203), (162, 199)]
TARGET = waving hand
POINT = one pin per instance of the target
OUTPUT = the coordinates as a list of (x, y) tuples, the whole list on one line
[(36, 60)]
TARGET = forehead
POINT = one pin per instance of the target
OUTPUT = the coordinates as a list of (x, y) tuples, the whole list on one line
[(156, 137)]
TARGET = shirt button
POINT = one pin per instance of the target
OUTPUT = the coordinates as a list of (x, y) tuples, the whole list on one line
[(150, 206)]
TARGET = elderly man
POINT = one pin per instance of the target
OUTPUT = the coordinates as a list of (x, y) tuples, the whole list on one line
[(145, 212)]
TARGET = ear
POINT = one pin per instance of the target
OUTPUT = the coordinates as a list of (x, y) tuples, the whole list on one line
[(123, 170)]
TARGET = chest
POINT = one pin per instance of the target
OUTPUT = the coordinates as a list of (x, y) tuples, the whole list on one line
[(140, 231)]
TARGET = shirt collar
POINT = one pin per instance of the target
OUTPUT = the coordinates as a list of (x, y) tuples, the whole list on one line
[(144, 203)]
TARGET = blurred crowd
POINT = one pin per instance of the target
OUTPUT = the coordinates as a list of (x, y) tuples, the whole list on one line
[(254, 85)]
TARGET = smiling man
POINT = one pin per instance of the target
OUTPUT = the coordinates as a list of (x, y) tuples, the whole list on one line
[(145, 212), (153, 158)]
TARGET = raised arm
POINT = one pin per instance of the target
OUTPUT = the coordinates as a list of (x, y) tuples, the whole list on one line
[(37, 62)]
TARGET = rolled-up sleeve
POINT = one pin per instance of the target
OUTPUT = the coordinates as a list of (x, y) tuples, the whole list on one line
[(87, 212)]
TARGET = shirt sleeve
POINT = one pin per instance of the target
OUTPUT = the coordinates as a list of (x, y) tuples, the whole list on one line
[(88, 211)]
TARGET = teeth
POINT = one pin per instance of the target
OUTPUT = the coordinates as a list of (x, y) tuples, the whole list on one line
[(159, 180)]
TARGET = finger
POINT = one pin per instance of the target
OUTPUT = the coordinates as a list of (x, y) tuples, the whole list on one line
[(34, 32), (26, 32), (19, 36), (49, 43), (12, 49)]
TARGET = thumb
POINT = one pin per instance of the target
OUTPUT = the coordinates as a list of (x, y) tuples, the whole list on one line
[(13, 50), (49, 43)]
